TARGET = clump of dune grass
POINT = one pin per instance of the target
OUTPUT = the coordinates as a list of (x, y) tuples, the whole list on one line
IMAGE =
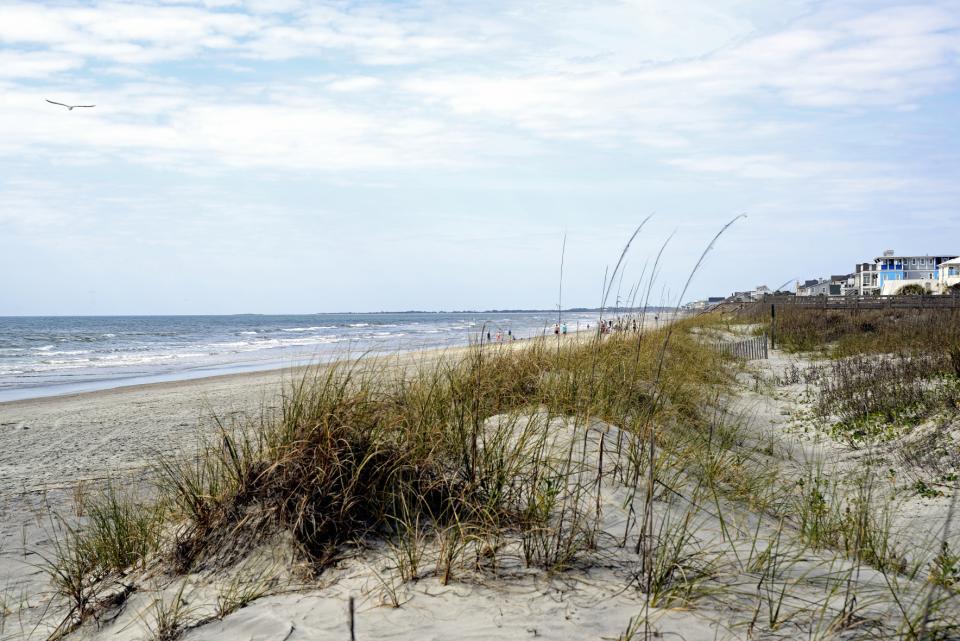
[(457, 451), (118, 534), (167, 616), (368, 451)]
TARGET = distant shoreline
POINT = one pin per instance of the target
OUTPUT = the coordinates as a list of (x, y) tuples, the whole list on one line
[(572, 310), (58, 356)]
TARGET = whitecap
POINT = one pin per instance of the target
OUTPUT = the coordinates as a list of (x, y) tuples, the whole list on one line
[(310, 329)]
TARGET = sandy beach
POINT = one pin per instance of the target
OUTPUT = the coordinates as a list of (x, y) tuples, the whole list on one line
[(51, 446)]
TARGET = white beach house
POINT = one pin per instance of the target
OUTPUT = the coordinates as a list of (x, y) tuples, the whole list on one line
[(948, 276)]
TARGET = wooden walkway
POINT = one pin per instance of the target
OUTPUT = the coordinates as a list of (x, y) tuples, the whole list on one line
[(861, 302)]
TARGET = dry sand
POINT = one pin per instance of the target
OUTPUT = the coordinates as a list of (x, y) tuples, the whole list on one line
[(49, 445)]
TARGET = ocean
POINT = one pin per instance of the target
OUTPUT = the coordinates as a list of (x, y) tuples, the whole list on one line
[(45, 356)]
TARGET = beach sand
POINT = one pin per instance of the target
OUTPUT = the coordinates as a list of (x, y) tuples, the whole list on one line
[(53, 447), (50, 445)]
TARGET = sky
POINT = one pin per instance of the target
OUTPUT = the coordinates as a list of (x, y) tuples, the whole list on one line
[(255, 156)]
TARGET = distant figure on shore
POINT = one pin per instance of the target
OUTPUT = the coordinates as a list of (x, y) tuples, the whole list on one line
[(556, 329), (510, 335), (563, 329), (488, 337)]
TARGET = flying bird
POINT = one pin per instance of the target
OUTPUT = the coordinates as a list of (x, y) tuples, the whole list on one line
[(69, 107)]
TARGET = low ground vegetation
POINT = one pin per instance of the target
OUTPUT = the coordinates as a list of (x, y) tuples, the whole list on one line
[(614, 451)]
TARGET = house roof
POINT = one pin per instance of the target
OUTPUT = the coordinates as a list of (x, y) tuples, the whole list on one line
[(906, 256), (952, 261)]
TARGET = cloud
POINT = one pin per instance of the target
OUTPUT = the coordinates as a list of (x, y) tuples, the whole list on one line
[(123, 32), (434, 85), (34, 64), (356, 83)]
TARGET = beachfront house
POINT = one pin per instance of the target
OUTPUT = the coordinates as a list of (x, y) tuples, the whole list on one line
[(760, 292), (812, 287), (833, 286), (948, 276), (845, 283), (866, 279), (896, 272)]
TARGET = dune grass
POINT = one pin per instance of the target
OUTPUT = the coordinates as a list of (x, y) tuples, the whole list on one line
[(457, 450), (494, 457), (840, 333)]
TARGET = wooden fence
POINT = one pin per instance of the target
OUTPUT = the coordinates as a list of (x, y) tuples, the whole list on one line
[(750, 349), (863, 302)]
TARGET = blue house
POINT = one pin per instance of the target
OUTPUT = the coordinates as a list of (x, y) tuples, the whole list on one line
[(891, 267)]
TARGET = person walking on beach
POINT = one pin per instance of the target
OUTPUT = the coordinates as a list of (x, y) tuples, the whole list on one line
[(556, 329), (488, 337), (563, 329)]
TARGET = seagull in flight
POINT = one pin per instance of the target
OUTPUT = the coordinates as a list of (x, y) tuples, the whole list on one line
[(69, 107)]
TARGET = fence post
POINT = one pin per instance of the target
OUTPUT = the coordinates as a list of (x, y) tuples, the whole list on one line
[(773, 326)]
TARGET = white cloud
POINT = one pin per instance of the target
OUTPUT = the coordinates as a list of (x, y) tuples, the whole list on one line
[(475, 85), (356, 83), (34, 64)]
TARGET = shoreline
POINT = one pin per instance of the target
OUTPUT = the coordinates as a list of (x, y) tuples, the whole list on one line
[(56, 448), (18, 396), (265, 376)]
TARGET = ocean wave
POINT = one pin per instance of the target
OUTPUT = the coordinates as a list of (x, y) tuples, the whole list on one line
[(68, 361), (94, 351), (67, 352), (272, 343)]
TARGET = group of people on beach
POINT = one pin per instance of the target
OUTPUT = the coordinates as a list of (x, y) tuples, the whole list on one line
[(560, 329), (500, 337), (622, 325)]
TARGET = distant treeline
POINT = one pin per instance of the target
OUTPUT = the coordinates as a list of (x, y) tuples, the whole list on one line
[(620, 310)]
